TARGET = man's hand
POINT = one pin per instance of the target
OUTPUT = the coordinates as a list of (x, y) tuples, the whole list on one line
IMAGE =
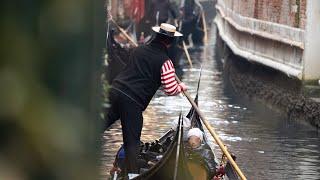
[(183, 86)]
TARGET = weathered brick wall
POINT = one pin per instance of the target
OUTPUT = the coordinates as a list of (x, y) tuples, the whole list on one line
[(303, 16), (278, 11), (247, 7)]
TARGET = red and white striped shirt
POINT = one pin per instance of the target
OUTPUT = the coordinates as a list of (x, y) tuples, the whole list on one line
[(168, 80)]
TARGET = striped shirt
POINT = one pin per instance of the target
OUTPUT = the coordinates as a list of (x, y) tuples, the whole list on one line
[(168, 80)]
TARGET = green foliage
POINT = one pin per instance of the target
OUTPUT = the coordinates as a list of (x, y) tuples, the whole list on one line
[(50, 89)]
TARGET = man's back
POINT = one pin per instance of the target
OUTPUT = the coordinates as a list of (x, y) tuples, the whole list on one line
[(142, 77)]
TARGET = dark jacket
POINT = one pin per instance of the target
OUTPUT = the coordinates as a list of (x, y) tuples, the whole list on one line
[(142, 76)]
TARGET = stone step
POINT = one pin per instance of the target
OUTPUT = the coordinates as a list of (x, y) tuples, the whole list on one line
[(312, 91)]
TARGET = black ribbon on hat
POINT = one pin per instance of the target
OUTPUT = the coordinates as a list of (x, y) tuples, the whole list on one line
[(162, 31)]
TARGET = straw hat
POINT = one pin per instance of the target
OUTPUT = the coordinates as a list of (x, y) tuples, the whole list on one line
[(166, 29)]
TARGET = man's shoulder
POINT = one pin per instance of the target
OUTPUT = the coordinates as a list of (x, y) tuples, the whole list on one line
[(147, 50), (139, 49)]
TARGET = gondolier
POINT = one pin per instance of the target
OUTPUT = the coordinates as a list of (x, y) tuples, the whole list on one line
[(160, 11), (156, 12), (149, 68), (191, 25)]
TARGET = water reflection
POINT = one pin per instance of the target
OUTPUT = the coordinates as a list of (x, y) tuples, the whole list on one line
[(266, 144)]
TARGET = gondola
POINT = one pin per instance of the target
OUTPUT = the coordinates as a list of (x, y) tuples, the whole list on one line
[(162, 159), (192, 23), (166, 158), (117, 57)]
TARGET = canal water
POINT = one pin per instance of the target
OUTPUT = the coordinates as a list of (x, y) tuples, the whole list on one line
[(267, 145)]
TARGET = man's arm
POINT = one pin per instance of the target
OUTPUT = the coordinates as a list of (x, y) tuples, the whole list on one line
[(168, 80)]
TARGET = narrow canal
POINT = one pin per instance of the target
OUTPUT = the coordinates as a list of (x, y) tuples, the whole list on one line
[(267, 145)]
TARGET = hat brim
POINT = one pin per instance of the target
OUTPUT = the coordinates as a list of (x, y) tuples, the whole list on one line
[(157, 30)]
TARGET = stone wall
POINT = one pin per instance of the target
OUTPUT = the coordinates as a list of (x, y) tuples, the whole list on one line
[(272, 88), (286, 12)]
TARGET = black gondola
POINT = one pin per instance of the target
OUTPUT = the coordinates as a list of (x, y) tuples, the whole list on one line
[(175, 159), (117, 57), (165, 157)]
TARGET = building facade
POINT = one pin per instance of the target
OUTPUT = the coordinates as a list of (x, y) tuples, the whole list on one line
[(281, 34)]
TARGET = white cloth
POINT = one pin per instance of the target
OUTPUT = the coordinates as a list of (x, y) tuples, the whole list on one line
[(186, 124), (186, 127), (195, 132), (132, 175)]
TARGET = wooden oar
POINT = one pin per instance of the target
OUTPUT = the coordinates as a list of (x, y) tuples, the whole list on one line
[(204, 23), (185, 47), (125, 33), (187, 53), (213, 133)]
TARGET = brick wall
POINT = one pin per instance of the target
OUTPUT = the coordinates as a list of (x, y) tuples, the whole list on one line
[(247, 7), (278, 11), (303, 16)]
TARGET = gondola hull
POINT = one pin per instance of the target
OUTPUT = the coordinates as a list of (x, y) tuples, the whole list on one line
[(172, 165)]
